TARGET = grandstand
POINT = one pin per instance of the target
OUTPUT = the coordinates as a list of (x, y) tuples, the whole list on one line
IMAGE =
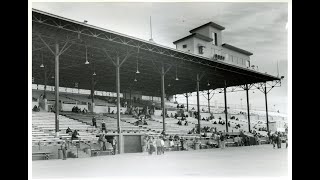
[(77, 39)]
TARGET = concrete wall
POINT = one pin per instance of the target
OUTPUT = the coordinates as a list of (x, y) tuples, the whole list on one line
[(190, 45), (114, 109), (208, 30), (100, 109), (234, 57)]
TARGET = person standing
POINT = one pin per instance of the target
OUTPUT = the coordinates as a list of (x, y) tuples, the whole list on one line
[(279, 140), (103, 127), (158, 145), (64, 148), (94, 122), (274, 140), (114, 145), (222, 139), (162, 146)]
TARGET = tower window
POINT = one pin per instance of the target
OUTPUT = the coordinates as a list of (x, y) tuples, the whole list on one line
[(200, 49), (184, 46)]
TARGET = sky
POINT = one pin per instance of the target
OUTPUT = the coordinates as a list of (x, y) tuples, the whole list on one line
[(259, 28)]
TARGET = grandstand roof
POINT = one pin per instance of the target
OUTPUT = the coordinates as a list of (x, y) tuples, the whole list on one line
[(102, 44)]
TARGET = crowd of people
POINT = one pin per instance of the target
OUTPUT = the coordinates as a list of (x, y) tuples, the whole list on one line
[(36, 108), (154, 144), (78, 110), (104, 139)]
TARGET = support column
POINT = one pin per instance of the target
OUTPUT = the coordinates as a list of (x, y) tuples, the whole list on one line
[(187, 102), (198, 104), (225, 104), (57, 89), (92, 93), (45, 82), (265, 95), (247, 91), (162, 99), (120, 144), (208, 100)]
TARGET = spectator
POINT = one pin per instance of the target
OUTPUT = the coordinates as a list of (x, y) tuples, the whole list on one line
[(182, 143), (103, 127), (171, 143), (162, 146), (214, 122), (179, 122), (186, 123), (151, 145), (158, 145), (64, 148), (178, 106), (222, 141), (171, 115), (228, 124), (74, 135), (203, 119), (279, 140), (102, 141), (94, 122), (114, 145), (68, 131)]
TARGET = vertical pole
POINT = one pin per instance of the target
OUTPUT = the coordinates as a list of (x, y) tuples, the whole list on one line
[(118, 104), (57, 88), (198, 104), (92, 93), (208, 100), (162, 99), (45, 82), (247, 91), (130, 97), (187, 102), (225, 103), (265, 95)]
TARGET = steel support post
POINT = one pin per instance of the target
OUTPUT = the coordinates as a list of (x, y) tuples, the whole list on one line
[(248, 108), (265, 95), (57, 88), (198, 104), (118, 104), (187, 102), (225, 104), (208, 100), (162, 99)]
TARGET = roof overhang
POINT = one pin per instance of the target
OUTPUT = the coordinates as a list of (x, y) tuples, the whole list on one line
[(228, 46), (103, 46), (212, 24)]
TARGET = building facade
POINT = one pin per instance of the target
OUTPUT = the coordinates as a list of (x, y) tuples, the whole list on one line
[(206, 41)]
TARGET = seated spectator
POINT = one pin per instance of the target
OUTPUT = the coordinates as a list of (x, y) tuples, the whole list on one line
[(74, 135), (214, 122), (145, 122), (178, 106), (112, 112), (182, 106), (68, 131), (175, 115), (171, 115), (203, 119), (228, 124), (219, 118), (179, 122), (237, 119), (186, 123)]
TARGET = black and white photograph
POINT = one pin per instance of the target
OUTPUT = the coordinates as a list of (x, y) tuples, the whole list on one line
[(159, 89)]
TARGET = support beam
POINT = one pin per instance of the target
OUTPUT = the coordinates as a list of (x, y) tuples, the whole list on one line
[(198, 103), (45, 82), (225, 103), (248, 108), (118, 104), (208, 100), (162, 99), (57, 88), (187, 96), (265, 95)]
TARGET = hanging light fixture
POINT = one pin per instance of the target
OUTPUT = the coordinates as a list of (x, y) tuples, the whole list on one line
[(169, 84), (94, 73), (87, 62), (42, 61), (137, 66), (176, 74), (208, 84), (52, 77), (135, 80)]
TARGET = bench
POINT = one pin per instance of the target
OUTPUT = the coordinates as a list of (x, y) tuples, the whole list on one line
[(45, 155)]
